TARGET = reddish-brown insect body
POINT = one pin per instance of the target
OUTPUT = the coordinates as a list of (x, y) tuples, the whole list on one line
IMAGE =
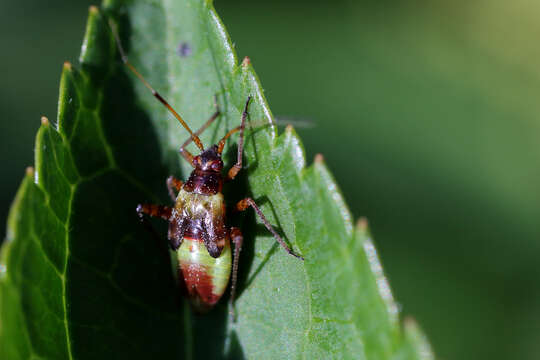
[(198, 232)]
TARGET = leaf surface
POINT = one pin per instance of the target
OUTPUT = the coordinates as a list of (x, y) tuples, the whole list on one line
[(84, 279)]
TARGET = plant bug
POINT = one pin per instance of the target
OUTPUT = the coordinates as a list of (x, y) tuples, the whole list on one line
[(197, 224)]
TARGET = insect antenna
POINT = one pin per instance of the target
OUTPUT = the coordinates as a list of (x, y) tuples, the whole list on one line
[(221, 144), (204, 126), (236, 129), (297, 122), (125, 60)]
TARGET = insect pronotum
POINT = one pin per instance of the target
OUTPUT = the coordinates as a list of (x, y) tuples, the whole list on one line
[(198, 232)]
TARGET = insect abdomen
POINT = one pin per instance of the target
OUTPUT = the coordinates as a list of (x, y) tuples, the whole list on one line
[(205, 277)]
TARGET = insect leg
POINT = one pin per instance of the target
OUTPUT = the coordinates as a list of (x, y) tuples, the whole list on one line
[(238, 166), (242, 205), (154, 92), (173, 184), (154, 210), (237, 238), (161, 211)]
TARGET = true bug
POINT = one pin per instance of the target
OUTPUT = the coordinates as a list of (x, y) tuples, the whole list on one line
[(197, 224)]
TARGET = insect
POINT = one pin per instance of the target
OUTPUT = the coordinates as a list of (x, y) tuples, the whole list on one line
[(198, 230)]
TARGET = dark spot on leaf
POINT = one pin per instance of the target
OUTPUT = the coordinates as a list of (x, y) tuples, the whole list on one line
[(184, 49)]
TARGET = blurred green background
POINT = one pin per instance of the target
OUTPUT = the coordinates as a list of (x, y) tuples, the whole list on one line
[(427, 114)]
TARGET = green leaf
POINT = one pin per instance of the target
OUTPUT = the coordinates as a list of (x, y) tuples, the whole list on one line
[(83, 279)]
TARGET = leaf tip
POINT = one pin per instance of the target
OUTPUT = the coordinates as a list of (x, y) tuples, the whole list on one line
[(67, 66), (93, 9), (246, 62), (418, 339), (362, 224), (29, 171), (409, 322), (319, 159), (44, 121)]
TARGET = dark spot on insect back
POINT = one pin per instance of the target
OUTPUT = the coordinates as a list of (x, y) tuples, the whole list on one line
[(184, 49)]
